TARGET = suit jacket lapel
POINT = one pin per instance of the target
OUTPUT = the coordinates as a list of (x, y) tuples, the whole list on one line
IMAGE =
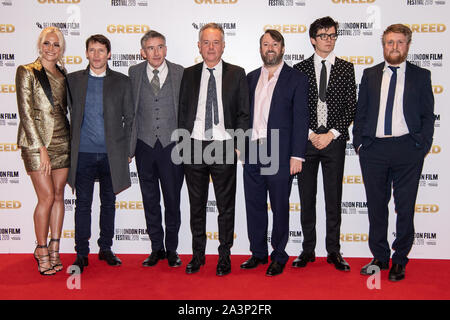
[(377, 85), (139, 74), (173, 82), (83, 91), (252, 88), (282, 83), (225, 85), (312, 73), (39, 73), (334, 73), (196, 86), (408, 87)]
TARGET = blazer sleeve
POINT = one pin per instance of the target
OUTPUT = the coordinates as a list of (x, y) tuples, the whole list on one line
[(183, 103), (243, 109), (427, 103), (347, 113), (25, 104), (128, 113), (300, 117), (361, 111)]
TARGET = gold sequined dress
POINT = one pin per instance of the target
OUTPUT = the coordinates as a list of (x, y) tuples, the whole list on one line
[(59, 147)]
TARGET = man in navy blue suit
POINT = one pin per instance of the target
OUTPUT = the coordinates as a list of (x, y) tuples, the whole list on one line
[(392, 133), (279, 120)]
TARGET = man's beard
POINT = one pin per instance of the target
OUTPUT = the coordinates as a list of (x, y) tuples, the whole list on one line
[(272, 60), (397, 59)]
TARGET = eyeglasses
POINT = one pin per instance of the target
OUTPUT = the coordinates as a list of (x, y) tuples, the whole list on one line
[(326, 36)]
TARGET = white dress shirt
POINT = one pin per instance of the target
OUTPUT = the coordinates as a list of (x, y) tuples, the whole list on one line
[(162, 75), (198, 131), (399, 127)]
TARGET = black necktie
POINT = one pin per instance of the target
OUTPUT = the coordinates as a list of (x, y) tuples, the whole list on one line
[(390, 102), (211, 102), (323, 82)]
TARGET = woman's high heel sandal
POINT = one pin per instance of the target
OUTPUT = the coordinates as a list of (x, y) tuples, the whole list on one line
[(43, 260), (55, 260)]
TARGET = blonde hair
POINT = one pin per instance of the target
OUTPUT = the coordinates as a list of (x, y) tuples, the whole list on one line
[(397, 28), (61, 40)]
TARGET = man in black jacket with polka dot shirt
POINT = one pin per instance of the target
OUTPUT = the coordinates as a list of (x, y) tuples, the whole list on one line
[(332, 106)]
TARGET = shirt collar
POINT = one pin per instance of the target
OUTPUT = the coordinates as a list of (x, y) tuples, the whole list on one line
[(92, 73), (331, 58), (402, 66), (276, 74), (161, 68), (217, 67)]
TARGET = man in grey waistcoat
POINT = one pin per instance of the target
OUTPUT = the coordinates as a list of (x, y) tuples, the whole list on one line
[(156, 85)]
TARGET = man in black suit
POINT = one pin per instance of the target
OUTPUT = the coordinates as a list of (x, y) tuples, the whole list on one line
[(392, 133), (213, 102), (332, 104)]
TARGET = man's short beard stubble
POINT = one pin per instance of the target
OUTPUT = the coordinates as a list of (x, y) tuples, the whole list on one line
[(396, 59), (272, 61)]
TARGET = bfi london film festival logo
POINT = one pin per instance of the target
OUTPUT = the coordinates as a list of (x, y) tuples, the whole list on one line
[(354, 207), (293, 58), (355, 29), (425, 2), (69, 204), (229, 28), (427, 59), (286, 3), (429, 180), (10, 234), (72, 25), (9, 177), (131, 234), (129, 3), (8, 119), (126, 59), (66, 28), (7, 59)]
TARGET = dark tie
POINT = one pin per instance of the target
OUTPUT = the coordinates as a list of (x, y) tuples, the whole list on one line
[(211, 102), (323, 82), (155, 82), (390, 102)]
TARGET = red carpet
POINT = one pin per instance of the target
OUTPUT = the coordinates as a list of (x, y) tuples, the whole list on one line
[(19, 279)]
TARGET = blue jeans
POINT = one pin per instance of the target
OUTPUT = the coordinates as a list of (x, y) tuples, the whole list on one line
[(92, 166)]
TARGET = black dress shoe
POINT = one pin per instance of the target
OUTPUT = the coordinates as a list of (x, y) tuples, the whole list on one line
[(253, 262), (154, 257), (80, 262), (275, 268), (397, 272), (339, 262), (109, 257), (173, 259), (373, 267), (194, 265), (303, 259), (223, 266)]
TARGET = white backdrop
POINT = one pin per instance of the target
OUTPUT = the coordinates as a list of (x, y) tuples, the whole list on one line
[(124, 21)]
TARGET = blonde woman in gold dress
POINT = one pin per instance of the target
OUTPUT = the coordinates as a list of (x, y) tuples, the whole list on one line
[(43, 137)]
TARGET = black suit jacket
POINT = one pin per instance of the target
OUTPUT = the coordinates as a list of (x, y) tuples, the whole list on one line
[(340, 95), (418, 106), (234, 97)]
